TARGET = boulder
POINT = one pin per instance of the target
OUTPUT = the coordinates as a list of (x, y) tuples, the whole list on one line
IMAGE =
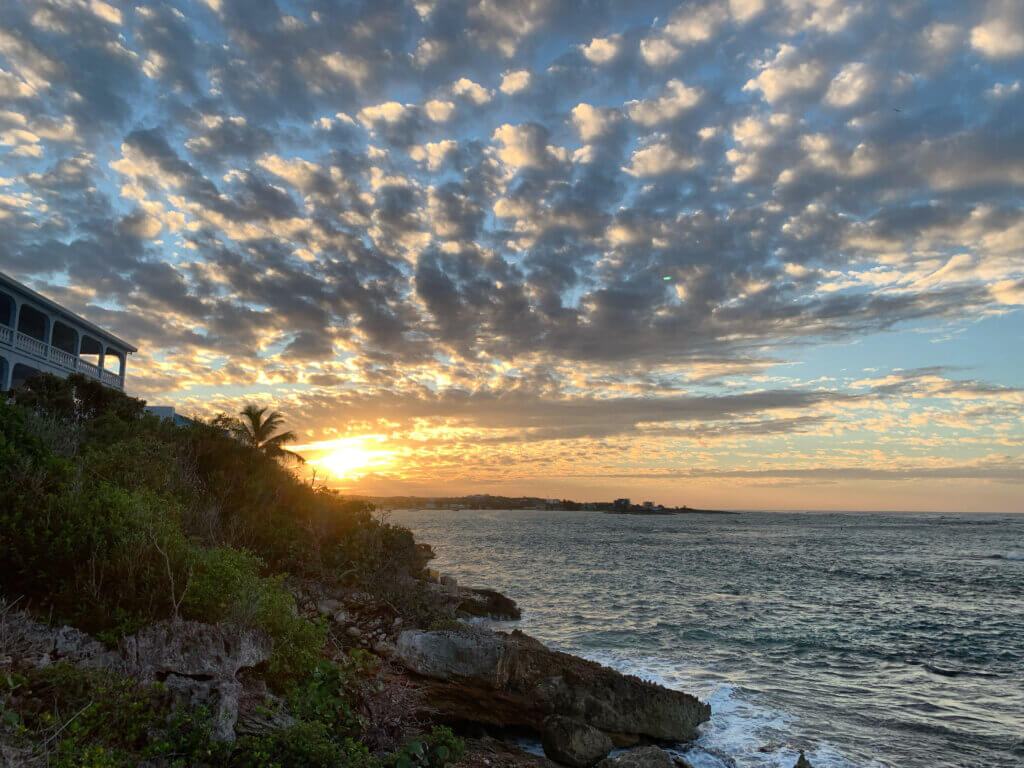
[(487, 603), (465, 657), (574, 743), (803, 762), (512, 680), (644, 757)]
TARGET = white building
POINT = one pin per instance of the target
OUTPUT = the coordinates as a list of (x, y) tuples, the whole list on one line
[(37, 334)]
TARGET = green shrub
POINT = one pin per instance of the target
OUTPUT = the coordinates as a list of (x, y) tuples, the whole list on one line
[(226, 586), (437, 749), (102, 720), (187, 740), (331, 692), (303, 745), (71, 754)]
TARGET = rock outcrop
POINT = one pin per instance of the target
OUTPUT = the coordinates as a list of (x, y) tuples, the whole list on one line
[(803, 762), (644, 757), (512, 680), (35, 644), (487, 603), (574, 743), (198, 663)]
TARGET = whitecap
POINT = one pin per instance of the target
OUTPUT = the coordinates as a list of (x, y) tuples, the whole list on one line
[(739, 729)]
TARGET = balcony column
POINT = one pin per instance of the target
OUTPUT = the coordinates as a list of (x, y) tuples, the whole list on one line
[(5, 376), (103, 354)]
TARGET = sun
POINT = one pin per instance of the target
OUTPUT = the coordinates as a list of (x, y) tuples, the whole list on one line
[(345, 458), (344, 462)]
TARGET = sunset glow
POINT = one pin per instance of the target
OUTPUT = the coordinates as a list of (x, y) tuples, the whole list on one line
[(344, 459)]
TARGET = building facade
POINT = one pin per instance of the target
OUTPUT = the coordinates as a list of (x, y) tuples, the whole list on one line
[(37, 334)]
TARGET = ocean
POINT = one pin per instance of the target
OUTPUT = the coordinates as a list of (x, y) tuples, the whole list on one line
[(865, 639)]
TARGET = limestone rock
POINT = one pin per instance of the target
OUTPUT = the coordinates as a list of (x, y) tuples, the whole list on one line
[(475, 658), (574, 743), (644, 757), (192, 649), (220, 697), (198, 662), (512, 680), (36, 644)]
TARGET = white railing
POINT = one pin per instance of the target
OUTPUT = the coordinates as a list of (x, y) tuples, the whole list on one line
[(88, 368), (26, 343), (63, 359), (57, 357)]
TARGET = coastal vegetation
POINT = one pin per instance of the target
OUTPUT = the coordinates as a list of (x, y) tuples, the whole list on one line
[(112, 520)]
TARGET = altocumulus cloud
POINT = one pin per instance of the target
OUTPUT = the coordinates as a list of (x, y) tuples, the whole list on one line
[(541, 227)]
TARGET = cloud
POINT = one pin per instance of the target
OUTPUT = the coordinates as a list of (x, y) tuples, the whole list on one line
[(850, 85), (525, 146), (601, 50), (693, 24), (439, 111), (657, 157), (515, 81), (434, 153), (474, 92), (593, 122), (658, 52), (676, 98), (1001, 35), (787, 75)]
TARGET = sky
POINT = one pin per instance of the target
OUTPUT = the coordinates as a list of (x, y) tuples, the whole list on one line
[(745, 254)]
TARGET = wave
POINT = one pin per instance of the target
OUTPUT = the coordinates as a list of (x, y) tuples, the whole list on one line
[(1005, 557), (741, 733)]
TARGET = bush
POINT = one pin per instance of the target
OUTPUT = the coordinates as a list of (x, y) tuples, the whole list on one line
[(332, 692), (226, 586), (93, 551), (102, 720), (302, 746), (437, 749)]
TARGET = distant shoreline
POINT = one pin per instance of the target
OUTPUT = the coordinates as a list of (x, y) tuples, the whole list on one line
[(666, 512), (485, 501)]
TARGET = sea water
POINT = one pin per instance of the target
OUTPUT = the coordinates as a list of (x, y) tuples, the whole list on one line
[(864, 639)]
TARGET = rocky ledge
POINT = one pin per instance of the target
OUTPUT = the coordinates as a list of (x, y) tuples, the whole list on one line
[(512, 681)]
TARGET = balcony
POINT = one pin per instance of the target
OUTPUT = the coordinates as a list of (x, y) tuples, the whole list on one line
[(38, 334), (57, 358)]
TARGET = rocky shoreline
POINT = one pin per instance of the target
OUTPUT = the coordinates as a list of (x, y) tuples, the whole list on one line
[(492, 686)]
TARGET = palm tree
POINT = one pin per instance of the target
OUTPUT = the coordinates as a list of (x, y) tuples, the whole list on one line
[(256, 427)]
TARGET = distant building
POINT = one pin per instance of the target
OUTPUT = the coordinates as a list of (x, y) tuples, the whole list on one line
[(167, 412), (39, 335), (648, 505), (621, 504)]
